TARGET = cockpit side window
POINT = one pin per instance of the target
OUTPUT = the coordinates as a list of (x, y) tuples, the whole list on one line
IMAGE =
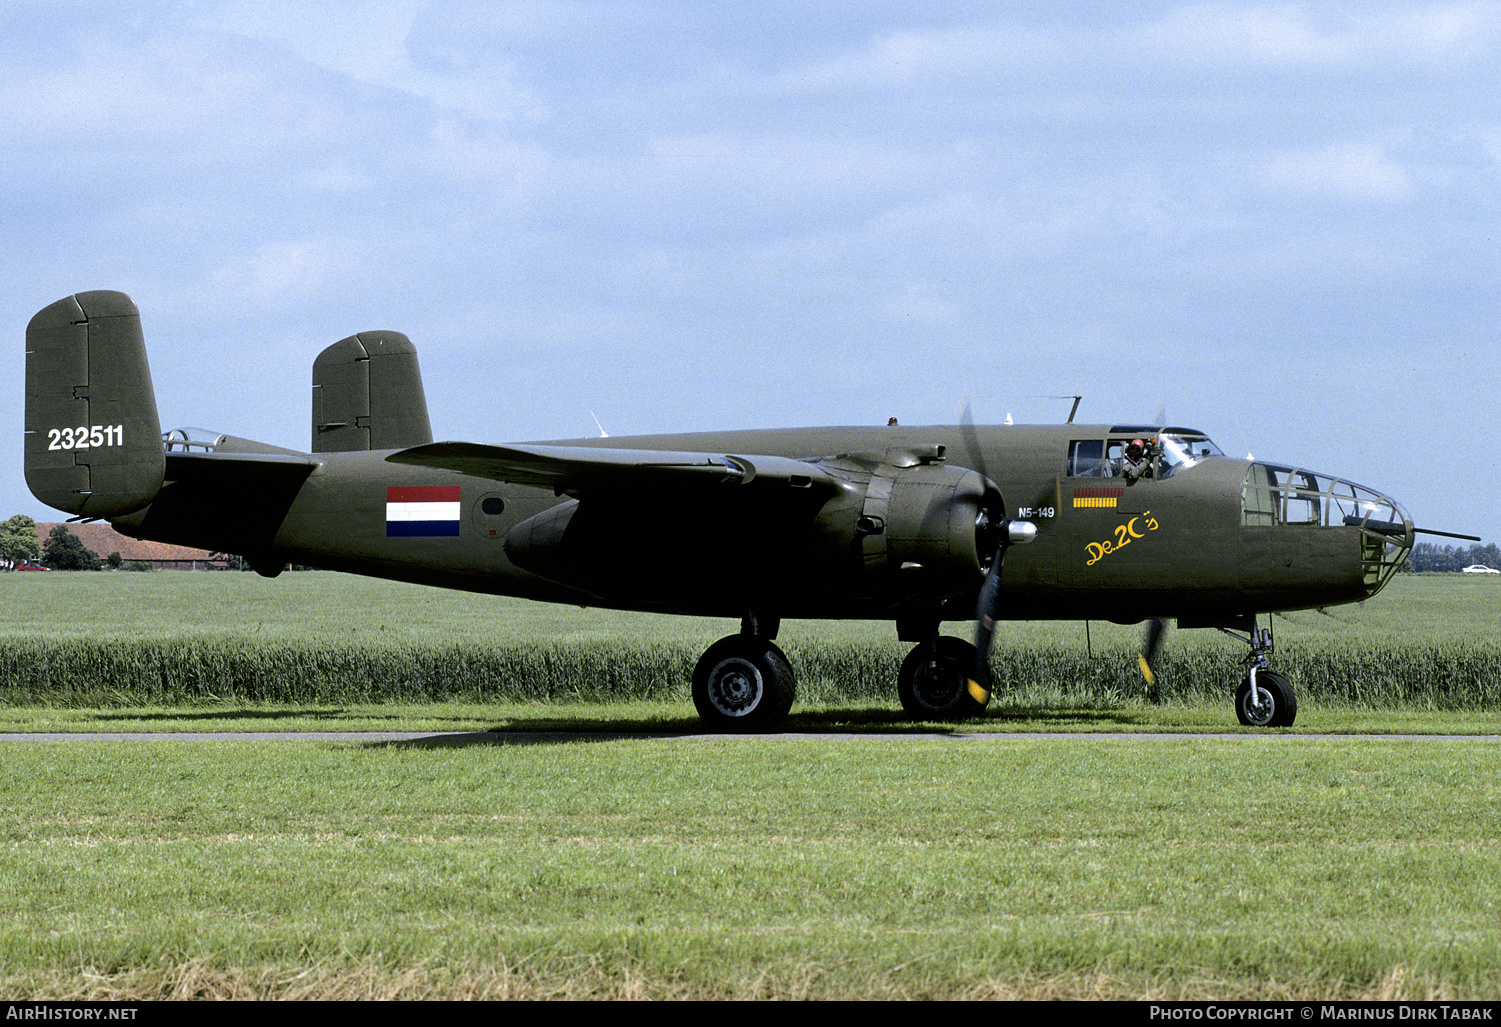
[(1086, 459), (1115, 455), (1258, 502), (1163, 454)]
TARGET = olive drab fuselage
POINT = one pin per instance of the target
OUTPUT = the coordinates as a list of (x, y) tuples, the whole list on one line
[(1181, 547)]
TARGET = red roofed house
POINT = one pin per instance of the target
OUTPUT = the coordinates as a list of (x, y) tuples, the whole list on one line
[(102, 538)]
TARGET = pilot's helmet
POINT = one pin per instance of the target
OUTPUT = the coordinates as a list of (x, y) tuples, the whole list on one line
[(1134, 448)]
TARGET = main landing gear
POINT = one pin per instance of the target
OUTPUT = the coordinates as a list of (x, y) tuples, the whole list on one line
[(743, 682), (1264, 699), (935, 681)]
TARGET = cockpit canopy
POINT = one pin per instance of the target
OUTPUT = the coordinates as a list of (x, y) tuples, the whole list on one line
[(1276, 495), (1167, 451), (192, 440)]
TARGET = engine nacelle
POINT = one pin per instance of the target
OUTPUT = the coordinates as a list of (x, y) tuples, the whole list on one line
[(924, 526)]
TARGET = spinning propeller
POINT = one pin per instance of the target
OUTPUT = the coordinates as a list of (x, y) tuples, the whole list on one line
[(1151, 644), (1007, 533)]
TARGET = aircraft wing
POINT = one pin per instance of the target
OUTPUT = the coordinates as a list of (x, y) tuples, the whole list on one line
[(576, 470)]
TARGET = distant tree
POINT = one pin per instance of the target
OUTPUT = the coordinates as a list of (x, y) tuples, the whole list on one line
[(114, 560), (18, 540), (1424, 558), (1432, 558), (65, 551)]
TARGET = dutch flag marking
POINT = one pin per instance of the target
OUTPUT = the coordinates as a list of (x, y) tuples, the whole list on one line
[(422, 511)]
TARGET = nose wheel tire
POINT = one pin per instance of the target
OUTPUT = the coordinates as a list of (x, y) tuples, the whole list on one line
[(743, 683), (1273, 703), (933, 683)]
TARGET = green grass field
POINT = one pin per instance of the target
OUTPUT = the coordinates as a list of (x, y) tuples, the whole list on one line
[(629, 857), (1267, 867)]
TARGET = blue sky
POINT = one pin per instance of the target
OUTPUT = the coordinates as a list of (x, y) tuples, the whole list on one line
[(1277, 220)]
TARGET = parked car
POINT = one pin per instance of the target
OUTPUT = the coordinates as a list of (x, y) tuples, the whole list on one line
[(32, 567)]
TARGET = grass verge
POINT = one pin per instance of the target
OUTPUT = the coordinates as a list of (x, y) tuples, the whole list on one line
[(1265, 867)]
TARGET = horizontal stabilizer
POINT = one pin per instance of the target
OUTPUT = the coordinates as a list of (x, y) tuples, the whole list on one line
[(266, 467), (226, 502)]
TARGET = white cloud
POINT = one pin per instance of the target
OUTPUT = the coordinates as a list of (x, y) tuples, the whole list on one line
[(1217, 38), (335, 178), (371, 43), (922, 302), (898, 59), (294, 269), (1234, 36), (1349, 171), (364, 41), (175, 103)]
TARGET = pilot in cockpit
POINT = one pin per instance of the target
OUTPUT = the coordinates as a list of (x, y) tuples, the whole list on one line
[(1135, 462)]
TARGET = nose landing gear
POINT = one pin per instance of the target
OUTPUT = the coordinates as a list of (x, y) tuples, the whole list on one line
[(1264, 699)]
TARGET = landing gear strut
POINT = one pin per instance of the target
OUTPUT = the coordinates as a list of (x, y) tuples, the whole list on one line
[(1264, 699), (743, 682)]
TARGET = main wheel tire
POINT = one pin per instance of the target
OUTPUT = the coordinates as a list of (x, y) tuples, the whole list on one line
[(743, 683), (934, 681), (1278, 706)]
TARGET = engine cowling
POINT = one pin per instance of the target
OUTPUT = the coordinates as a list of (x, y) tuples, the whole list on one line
[(924, 525)]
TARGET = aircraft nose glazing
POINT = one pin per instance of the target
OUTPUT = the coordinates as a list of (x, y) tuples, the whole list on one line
[(1290, 496)]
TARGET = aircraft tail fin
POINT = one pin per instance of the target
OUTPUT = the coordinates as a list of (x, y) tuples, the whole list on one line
[(367, 394), (93, 440)]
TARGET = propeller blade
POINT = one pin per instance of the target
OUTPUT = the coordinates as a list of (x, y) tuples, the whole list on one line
[(972, 451), (1013, 533), (1159, 413), (1009, 533), (979, 675), (1151, 644)]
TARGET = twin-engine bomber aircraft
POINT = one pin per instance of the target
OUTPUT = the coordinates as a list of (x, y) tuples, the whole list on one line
[(1125, 523)]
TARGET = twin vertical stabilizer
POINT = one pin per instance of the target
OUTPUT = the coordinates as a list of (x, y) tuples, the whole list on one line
[(93, 441), (367, 394)]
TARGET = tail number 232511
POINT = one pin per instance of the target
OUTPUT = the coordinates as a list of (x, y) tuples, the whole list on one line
[(98, 436)]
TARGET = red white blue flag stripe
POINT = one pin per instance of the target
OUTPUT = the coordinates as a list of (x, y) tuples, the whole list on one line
[(422, 511)]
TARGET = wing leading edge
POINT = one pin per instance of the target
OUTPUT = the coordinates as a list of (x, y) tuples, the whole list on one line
[(579, 470)]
